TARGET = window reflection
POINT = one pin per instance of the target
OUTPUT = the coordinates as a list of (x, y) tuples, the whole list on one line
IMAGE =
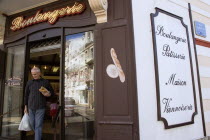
[(13, 92), (79, 86)]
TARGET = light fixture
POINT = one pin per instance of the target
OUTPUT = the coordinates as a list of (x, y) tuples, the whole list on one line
[(45, 67), (34, 66)]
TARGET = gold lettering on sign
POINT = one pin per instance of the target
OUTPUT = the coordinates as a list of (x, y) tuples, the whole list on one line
[(50, 16)]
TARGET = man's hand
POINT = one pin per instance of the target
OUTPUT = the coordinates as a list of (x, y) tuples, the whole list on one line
[(46, 93), (26, 109)]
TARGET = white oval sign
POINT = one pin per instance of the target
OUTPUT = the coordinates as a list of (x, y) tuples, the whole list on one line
[(111, 70)]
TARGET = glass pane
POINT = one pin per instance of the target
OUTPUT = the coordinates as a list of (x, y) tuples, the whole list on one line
[(79, 86), (13, 92)]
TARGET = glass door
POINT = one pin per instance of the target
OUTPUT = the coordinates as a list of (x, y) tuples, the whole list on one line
[(13, 91), (45, 54), (79, 86)]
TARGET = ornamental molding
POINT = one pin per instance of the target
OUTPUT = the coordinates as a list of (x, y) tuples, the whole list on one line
[(99, 7)]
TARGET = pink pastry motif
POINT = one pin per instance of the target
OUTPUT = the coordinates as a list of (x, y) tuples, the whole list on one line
[(115, 70)]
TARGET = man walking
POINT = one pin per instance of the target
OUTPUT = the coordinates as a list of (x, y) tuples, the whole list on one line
[(36, 92)]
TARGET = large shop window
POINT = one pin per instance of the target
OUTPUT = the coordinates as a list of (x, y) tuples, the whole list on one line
[(79, 86), (13, 92)]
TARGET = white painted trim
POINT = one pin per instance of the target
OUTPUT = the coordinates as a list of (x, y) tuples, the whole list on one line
[(204, 71), (205, 93), (207, 116), (204, 51), (31, 7), (206, 2), (194, 8)]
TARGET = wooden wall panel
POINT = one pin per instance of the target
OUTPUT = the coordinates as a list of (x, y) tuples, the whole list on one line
[(116, 101), (116, 132), (115, 92), (119, 9)]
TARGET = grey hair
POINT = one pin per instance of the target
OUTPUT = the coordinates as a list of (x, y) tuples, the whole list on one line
[(35, 69)]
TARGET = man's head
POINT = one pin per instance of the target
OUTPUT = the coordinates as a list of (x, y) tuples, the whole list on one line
[(36, 73)]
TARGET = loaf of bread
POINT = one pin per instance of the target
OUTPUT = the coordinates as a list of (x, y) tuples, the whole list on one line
[(43, 89), (118, 65)]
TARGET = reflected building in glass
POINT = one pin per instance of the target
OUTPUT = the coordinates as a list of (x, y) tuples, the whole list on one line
[(79, 82)]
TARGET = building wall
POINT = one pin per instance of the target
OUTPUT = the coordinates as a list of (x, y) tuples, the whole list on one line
[(204, 68), (150, 127), (201, 13)]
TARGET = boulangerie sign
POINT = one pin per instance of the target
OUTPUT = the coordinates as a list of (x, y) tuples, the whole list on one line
[(50, 16), (176, 102)]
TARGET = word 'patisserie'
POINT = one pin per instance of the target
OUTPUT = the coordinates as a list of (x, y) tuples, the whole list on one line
[(167, 52), (50, 16)]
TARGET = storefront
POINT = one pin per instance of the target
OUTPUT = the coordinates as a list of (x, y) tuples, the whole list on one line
[(121, 69), (86, 51)]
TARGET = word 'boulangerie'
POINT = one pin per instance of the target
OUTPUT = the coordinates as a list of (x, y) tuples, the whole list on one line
[(50, 16)]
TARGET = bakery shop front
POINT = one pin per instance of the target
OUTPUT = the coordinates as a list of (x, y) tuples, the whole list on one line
[(86, 50)]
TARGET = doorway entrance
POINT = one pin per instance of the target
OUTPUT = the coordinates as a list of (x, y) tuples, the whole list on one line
[(69, 59), (78, 97), (45, 54)]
